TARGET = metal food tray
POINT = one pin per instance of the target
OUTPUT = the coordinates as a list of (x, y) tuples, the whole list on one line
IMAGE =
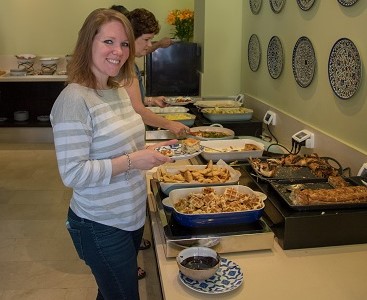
[(168, 187), (227, 117), (294, 172), (230, 155), (168, 109), (188, 122), (282, 188), (218, 103)]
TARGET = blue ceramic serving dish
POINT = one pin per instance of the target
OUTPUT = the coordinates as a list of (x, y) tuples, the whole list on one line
[(216, 219)]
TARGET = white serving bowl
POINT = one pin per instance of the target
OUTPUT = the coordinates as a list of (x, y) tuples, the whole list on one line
[(198, 263), (21, 115), (47, 61), (18, 72), (25, 58), (68, 57), (43, 118)]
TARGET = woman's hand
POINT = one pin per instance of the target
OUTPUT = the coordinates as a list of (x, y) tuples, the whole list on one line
[(159, 101), (160, 144), (150, 158), (147, 159), (143, 159), (179, 129)]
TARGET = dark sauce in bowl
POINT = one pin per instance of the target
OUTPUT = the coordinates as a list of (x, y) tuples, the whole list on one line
[(199, 262)]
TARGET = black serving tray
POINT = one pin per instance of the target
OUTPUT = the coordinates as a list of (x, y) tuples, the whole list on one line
[(282, 188), (305, 229)]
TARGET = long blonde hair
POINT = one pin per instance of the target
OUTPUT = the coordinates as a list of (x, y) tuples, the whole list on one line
[(79, 68)]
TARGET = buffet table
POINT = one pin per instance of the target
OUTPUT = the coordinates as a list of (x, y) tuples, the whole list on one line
[(314, 273)]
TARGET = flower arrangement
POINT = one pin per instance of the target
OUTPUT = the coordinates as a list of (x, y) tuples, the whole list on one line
[(183, 20)]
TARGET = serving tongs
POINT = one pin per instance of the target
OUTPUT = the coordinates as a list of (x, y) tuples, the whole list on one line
[(222, 150), (218, 150), (331, 161)]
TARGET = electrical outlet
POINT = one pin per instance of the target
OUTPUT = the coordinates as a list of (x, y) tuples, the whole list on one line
[(270, 118), (305, 138)]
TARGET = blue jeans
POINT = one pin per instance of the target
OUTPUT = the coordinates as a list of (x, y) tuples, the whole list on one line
[(111, 254)]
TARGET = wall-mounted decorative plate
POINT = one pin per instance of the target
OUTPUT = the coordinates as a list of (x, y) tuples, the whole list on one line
[(305, 4), (255, 6), (277, 5), (303, 62), (254, 53), (345, 68), (347, 2), (275, 57)]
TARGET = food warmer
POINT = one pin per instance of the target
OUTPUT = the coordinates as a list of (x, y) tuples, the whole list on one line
[(252, 127), (305, 228), (293, 228), (223, 239)]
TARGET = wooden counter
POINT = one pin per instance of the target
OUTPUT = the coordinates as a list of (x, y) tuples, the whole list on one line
[(337, 273)]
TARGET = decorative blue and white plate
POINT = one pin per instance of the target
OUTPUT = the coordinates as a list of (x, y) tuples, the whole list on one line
[(344, 68), (254, 53), (255, 6), (228, 277), (305, 4), (303, 62), (275, 57), (277, 5), (347, 2)]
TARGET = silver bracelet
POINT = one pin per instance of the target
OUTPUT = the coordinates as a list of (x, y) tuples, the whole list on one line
[(127, 172)]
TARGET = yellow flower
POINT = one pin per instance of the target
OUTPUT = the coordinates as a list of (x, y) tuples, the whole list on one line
[(183, 20)]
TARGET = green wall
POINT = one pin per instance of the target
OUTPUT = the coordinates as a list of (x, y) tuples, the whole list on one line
[(316, 105), (219, 31), (47, 27)]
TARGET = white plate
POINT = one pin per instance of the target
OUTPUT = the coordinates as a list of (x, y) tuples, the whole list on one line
[(177, 152), (229, 133), (179, 100), (233, 147), (228, 277)]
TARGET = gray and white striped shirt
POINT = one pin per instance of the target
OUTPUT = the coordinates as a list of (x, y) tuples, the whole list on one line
[(90, 128)]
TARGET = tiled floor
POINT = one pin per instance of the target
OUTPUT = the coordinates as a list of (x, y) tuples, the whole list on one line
[(37, 258)]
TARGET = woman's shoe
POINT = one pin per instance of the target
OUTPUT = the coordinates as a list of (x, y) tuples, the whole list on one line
[(144, 244), (141, 273)]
